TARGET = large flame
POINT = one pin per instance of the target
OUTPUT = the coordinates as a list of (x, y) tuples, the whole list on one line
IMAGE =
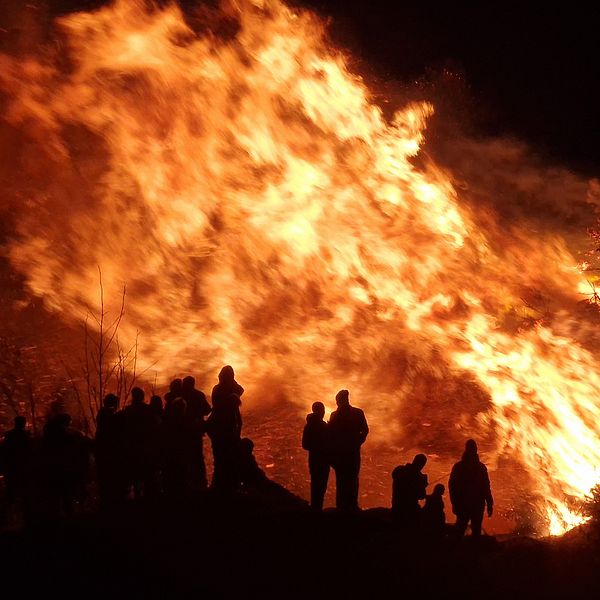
[(263, 213)]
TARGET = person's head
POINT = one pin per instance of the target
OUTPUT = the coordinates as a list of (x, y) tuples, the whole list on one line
[(342, 398), (470, 452), (246, 446), (111, 401), (175, 386), (471, 447), (156, 403), (419, 461), (188, 383), (20, 422), (318, 409), (137, 395), (227, 374), (56, 406), (439, 489)]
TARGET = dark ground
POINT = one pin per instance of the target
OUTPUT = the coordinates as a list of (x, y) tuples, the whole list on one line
[(252, 548)]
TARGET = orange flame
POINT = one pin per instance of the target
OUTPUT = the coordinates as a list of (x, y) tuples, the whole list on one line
[(263, 213)]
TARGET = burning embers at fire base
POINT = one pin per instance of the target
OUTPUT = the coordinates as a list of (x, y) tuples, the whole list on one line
[(262, 212)]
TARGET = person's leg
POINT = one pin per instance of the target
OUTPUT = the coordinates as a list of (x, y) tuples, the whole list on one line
[(319, 475), (202, 482), (353, 481), (462, 520), (476, 515), (341, 484)]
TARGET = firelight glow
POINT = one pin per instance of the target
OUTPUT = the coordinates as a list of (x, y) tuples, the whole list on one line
[(263, 213)]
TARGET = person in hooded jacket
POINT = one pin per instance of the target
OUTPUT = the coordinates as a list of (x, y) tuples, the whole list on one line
[(224, 427), (470, 491), (227, 385), (434, 518), (315, 439)]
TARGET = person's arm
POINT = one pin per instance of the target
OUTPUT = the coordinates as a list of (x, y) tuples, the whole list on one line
[(205, 407), (364, 429), (489, 500), (423, 490), (306, 438), (452, 489)]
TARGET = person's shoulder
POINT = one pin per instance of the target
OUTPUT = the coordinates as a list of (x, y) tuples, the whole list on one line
[(399, 470), (456, 467), (359, 412)]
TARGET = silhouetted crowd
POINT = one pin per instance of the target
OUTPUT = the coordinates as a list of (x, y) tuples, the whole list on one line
[(337, 444), (151, 449)]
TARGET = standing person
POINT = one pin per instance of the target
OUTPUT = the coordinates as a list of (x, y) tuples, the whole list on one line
[(141, 431), (66, 454), (108, 448), (175, 391), (315, 439), (197, 408), (409, 485), (348, 430), (224, 426), (16, 453), (227, 385), (470, 491), (156, 406), (434, 518)]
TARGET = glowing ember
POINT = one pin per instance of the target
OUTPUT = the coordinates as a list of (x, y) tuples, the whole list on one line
[(263, 213)]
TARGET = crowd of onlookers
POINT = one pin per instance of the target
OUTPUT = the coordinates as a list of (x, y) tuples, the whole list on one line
[(155, 448), (336, 444)]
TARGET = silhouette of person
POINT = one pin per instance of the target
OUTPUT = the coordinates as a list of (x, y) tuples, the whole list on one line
[(176, 448), (226, 387), (66, 452), (470, 491), (348, 430), (409, 485), (315, 439), (254, 480), (250, 472), (434, 519), (108, 448), (156, 406), (141, 430), (197, 408), (15, 457), (224, 427), (175, 391)]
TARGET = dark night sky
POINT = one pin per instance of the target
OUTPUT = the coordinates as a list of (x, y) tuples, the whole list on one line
[(532, 69), (535, 70)]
